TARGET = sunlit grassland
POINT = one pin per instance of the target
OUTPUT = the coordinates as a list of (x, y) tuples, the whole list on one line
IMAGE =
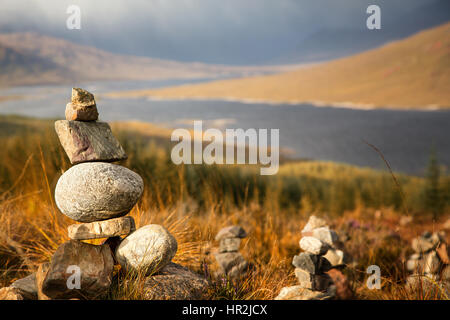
[(195, 201)]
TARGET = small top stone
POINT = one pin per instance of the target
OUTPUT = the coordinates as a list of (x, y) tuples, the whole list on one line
[(314, 223), (82, 97), (231, 232)]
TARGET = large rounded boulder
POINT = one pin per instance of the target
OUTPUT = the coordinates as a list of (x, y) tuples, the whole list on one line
[(95, 191), (147, 250)]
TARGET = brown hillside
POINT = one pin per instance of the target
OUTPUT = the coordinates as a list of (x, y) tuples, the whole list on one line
[(410, 73)]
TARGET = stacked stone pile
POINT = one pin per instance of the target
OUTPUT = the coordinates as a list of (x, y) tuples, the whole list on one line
[(430, 263), (310, 267), (313, 266), (231, 263), (99, 195), (318, 228)]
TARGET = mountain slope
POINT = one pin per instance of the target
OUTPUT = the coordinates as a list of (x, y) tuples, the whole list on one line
[(31, 58), (410, 73)]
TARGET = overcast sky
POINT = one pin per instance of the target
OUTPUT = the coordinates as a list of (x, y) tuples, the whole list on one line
[(216, 31)]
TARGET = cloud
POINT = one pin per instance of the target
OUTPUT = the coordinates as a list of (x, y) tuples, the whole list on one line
[(218, 31)]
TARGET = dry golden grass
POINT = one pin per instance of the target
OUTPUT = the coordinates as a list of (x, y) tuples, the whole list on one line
[(410, 73), (31, 227)]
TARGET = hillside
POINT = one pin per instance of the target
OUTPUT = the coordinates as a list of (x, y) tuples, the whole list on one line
[(31, 58), (410, 73)]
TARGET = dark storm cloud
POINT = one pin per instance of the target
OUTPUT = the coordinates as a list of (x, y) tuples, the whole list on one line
[(225, 31)]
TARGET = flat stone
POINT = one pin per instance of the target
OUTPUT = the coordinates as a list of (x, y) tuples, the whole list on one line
[(231, 264), (148, 249), (95, 263), (311, 263), (335, 256), (82, 97), (27, 287), (231, 232), (40, 276), (326, 235), (10, 293), (175, 282), (76, 112), (229, 244), (299, 293), (90, 192), (314, 223), (89, 141), (313, 281), (102, 229), (313, 245)]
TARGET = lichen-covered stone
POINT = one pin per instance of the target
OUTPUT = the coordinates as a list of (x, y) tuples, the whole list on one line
[(89, 141), (97, 191), (82, 97), (102, 229), (147, 250)]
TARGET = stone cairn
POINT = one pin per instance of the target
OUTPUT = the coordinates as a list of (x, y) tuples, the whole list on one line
[(231, 263), (312, 264), (430, 264), (99, 195)]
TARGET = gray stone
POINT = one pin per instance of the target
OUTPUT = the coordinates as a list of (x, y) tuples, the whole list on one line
[(427, 242), (82, 97), (325, 235), (231, 264), (316, 282), (432, 263), (311, 263), (314, 223), (102, 229), (229, 245), (88, 141), (313, 245), (81, 113), (148, 249), (27, 287), (335, 256), (95, 264), (90, 192), (231, 232), (175, 282), (299, 293)]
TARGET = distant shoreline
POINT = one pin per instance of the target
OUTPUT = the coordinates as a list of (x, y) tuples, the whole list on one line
[(315, 103)]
